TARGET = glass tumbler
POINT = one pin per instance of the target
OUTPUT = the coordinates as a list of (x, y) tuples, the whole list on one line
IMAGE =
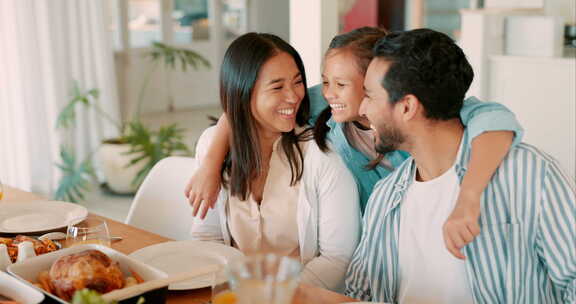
[(91, 230), (264, 279), (222, 292)]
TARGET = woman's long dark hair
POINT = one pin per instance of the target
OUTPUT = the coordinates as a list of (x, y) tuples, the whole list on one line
[(238, 74), (360, 42)]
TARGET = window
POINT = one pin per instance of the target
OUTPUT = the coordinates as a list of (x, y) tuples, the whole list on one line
[(190, 21), (143, 22), (113, 21), (138, 23), (444, 16), (234, 18)]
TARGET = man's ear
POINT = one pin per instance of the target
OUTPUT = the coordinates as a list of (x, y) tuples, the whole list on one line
[(409, 106)]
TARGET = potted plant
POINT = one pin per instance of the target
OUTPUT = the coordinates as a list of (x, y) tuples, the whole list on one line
[(126, 160)]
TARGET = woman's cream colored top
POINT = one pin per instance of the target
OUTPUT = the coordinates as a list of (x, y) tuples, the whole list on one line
[(269, 226)]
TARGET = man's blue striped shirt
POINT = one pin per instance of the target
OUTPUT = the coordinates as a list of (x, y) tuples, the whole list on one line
[(527, 246)]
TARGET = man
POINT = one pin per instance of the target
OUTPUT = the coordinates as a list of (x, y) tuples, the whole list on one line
[(415, 86)]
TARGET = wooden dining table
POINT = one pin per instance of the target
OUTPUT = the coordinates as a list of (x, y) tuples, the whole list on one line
[(134, 238)]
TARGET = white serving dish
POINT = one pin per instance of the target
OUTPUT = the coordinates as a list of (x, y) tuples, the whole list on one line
[(29, 269), (16, 290)]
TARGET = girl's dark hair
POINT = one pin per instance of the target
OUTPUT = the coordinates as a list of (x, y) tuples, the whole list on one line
[(238, 74), (360, 42)]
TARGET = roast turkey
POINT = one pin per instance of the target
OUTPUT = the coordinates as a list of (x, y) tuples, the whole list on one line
[(90, 269)]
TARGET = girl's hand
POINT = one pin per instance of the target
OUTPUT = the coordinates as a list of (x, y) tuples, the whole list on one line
[(462, 226), (202, 190)]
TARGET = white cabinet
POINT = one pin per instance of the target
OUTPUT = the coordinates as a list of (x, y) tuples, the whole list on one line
[(542, 94), (541, 91)]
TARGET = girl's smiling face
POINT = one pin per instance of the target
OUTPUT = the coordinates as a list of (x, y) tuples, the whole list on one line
[(342, 85)]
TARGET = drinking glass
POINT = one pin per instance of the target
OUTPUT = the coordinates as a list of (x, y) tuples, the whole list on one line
[(221, 290), (91, 230), (264, 279)]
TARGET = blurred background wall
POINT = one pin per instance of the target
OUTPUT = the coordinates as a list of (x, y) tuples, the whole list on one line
[(522, 50)]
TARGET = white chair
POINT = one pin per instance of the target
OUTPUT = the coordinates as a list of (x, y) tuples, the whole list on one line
[(160, 205)]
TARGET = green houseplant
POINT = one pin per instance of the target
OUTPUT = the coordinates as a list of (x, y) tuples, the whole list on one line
[(141, 146)]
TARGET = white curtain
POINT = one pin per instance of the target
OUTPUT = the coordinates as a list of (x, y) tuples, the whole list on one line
[(45, 45)]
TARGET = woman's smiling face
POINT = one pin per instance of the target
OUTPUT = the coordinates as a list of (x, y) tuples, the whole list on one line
[(277, 94), (342, 85)]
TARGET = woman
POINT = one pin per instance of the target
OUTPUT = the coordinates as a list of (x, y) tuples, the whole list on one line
[(345, 64), (281, 193)]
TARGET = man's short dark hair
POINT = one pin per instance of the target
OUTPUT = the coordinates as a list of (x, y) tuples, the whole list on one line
[(429, 65)]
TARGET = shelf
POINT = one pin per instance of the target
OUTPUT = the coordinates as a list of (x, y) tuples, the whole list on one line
[(568, 58)]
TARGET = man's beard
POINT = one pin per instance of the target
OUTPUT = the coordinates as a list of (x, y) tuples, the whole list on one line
[(390, 140)]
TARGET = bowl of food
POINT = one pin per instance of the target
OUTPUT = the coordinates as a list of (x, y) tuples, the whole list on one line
[(11, 249), (13, 290), (61, 273)]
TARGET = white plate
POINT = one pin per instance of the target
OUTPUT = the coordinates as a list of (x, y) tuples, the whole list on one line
[(18, 291), (38, 216), (182, 256)]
